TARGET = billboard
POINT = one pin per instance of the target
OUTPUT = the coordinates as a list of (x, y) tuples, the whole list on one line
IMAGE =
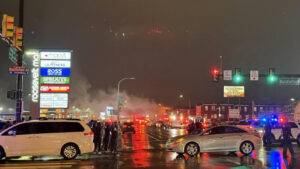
[(54, 80), (54, 88), (54, 100), (56, 63), (55, 55), (234, 91), (64, 72)]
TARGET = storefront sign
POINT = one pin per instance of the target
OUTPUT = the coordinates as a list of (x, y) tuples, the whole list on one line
[(64, 72), (54, 100), (54, 80), (55, 88), (56, 63), (35, 79), (51, 55)]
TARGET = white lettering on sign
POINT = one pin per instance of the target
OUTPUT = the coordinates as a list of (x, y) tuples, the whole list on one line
[(56, 55), (35, 79), (54, 100), (54, 72), (56, 63)]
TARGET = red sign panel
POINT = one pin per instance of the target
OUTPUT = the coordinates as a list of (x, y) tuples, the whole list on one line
[(18, 70), (55, 88)]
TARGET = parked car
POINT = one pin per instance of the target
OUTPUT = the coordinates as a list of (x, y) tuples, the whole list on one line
[(223, 138), (67, 138)]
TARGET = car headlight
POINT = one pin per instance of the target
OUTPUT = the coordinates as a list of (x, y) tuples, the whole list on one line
[(260, 130)]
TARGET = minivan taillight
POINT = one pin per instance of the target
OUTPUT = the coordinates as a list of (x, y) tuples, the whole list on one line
[(88, 133)]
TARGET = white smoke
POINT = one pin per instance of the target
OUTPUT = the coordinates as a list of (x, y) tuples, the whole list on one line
[(82, 98)]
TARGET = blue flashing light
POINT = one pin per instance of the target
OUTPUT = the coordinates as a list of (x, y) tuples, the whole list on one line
[(264, 120)]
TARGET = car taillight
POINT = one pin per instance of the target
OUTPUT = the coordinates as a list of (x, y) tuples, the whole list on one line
[(88, 133)]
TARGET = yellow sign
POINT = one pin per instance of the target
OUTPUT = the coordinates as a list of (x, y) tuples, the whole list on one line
[(234, 91)]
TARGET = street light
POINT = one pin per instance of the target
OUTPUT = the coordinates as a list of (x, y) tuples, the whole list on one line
[(118, 94), (118, 106)]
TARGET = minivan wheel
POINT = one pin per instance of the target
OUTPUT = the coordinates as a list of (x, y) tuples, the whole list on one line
[(69, 151), (246, 147), (192, 149), (2, 153)]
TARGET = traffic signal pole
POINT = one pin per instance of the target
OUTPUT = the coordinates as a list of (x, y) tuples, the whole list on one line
[(19, 85)]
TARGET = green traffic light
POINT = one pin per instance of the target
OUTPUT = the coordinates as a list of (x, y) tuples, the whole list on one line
[(238, 79), (271, 79)]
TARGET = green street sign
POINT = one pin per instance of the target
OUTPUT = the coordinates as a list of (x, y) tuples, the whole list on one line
[(291, 81), (12, 54), (55, 80)]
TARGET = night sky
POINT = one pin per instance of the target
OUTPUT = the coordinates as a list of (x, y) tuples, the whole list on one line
[(168, 45)]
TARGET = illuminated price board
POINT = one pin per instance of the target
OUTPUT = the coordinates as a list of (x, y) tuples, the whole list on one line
[(55, 88), (54, 80), (64, 72)]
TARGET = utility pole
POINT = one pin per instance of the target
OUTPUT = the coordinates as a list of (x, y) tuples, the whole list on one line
[(19, 85)]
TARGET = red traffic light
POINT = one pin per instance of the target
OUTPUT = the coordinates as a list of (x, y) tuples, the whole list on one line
[(215, 73)]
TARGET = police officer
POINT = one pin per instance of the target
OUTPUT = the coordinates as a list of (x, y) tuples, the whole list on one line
[(268, 134), (287, 140), (97, 131), (114, 137)]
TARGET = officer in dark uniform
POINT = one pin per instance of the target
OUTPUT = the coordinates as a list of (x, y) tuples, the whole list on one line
[(268, 134), (287, 140)]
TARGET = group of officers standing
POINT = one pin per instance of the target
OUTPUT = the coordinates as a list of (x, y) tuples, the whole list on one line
[(286, 137), (105, 136)]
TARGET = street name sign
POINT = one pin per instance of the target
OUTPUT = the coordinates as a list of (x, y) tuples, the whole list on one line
[(18, 70), (289, 81)]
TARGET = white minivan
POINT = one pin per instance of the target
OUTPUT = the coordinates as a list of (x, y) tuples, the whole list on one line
[(67, 138)]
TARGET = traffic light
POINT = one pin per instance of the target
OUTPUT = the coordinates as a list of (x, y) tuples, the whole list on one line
[(215, 74), (8, 26), (18, 38), (12, 94), (237, 77), (272, 78)]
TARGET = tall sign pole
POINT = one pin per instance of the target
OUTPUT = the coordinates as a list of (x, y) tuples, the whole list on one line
[(19, 85)]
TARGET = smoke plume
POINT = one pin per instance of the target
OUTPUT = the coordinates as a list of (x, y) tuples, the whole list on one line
[(82, 98)]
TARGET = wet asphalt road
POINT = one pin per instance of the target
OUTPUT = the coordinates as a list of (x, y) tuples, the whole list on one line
[(145, 149)]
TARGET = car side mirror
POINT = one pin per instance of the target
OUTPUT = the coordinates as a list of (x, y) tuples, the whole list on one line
[(12, 132)]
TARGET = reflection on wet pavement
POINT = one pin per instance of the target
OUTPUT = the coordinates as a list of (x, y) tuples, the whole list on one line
[(144, 149), (148, 153)]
